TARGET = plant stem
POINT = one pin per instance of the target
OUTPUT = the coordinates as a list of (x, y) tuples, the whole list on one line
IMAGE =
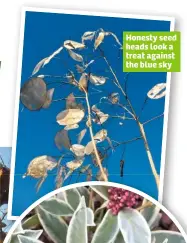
[(141, 128), (149, 155), (91, 134), (93, 141), (152, 119)]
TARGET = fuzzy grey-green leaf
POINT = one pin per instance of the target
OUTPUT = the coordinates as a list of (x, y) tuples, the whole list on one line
[(133, 226), (152, 216), (53, 225), (119, 238), (90, 217), (72, 197), (167, 237), (102, 191), (77, 230), (34, 234), (107, 230), (25, 239), (31, 222), (57, 207), (84, 192)]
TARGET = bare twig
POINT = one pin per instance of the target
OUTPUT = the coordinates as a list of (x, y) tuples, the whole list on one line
[(76, 97), (125, 108), (152, 119), (141, 128)]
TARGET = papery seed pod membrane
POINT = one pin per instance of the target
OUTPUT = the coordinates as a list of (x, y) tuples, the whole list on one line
[(114, 36), (97, 80), (33, 94), (114, 98), (79, 68), (89, 148), (75, 164), (72, 79), (81, 135), (100, 117), (99, 39), (158, 91), (83, 82), (62, 140), (46, 60), (39, 166), (71, 127), (49, 98), (70, 117), (101, 135), (75, 56), (88, 35), (70, 102), (78, 150), (71, 45)]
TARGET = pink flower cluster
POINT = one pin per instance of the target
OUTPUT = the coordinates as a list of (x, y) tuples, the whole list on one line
[(120, 198)]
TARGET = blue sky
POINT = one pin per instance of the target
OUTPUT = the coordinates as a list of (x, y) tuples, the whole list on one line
[(44, 33)]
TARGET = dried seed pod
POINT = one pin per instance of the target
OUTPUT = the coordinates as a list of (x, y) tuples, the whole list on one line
[(46, 60), (101, 135), (81, 135), (70, 117), (88, 35), (89, 148), (39, 166), (62, 140), (78, 150), (100, 116), (79, 68), (71, 102), (115, 37), (158, 91), (70, 45), (75, 56), (97, 80), (71, 127), (49, 97), (34, 93), (114, 98), (74, 164), (83, 82), (99, 39)]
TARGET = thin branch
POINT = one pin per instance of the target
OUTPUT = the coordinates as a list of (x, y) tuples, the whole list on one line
[(125, 108), (152, 119), (124, 142), (58, 82), (143, 106), (77, 97), (141, 128)]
